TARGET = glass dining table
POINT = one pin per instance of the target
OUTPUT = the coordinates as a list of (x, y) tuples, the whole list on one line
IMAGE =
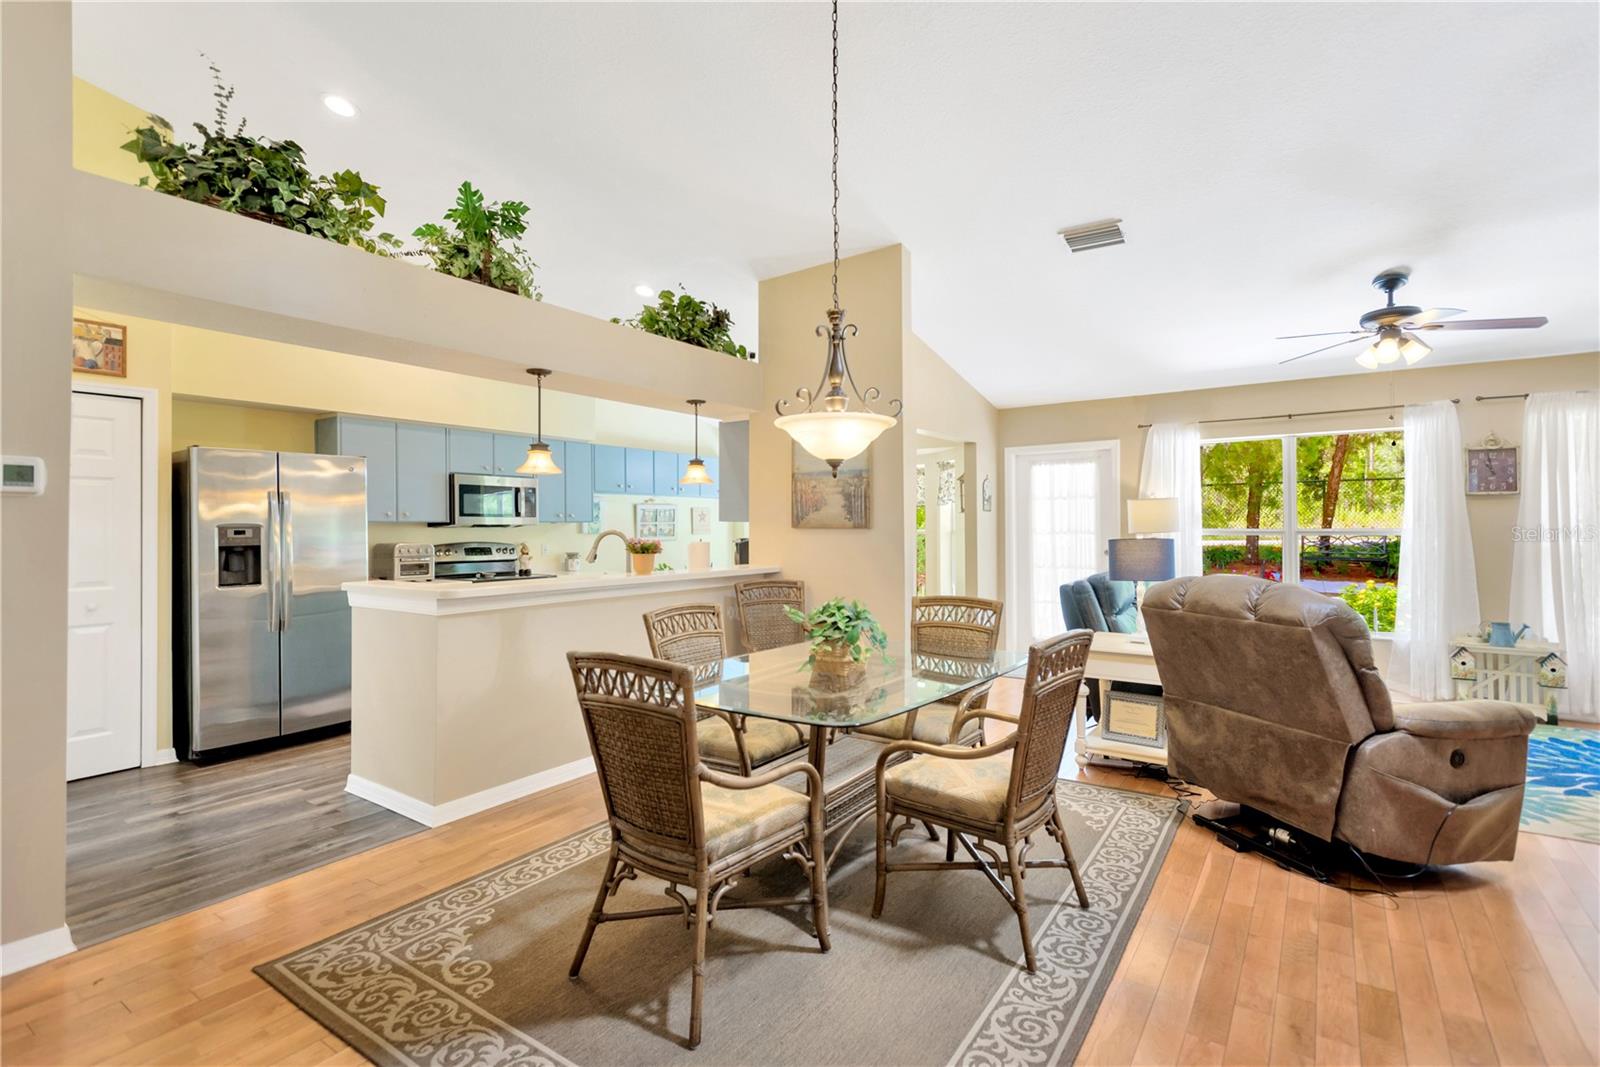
[(779, 684)]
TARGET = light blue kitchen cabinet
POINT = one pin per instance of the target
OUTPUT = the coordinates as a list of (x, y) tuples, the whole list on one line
[(471, 451), (641, 471), (553, 487), (373, 439), (610, 469), (668, 469), (510, 449), (579, 471), (714, 469), (422, 473)]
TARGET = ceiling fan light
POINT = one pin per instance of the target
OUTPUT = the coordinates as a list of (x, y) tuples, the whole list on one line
[(1413, 349), (834, 436), (1387, 349), (539, 460), (695, 473), (1369, 357)]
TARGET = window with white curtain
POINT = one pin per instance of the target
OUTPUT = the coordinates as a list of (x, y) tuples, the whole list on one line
[(1064, 510)]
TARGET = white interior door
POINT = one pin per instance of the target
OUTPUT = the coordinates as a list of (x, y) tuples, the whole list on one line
[(103, 586), (1063, 510)]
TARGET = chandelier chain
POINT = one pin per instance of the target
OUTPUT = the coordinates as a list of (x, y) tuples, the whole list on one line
[(836, 154)]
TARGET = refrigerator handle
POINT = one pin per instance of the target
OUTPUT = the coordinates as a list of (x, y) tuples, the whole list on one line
[(286, 556), (274, 562)]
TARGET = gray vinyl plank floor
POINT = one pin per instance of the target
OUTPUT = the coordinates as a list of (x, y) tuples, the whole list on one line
[(147, 844)]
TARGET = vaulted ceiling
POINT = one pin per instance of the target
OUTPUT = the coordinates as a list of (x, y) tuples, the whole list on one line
[(1267, 159)]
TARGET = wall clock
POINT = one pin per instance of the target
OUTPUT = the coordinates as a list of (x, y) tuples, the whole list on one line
[(1492, 469)]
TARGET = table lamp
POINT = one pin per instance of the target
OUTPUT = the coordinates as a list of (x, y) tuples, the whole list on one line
[(1145, 559)]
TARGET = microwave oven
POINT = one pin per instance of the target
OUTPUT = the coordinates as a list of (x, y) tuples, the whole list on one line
[(493, 500)]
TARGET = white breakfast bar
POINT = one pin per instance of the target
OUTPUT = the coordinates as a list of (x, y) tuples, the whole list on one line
[(460, 694)]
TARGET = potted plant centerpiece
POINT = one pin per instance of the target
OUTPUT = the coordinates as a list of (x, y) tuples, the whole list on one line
[(642, 553), (843, 634)]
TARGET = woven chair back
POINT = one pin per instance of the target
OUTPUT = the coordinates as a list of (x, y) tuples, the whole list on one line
[(761, 615), (640, 717), (1055, 672), (963, 626), (690, 634)]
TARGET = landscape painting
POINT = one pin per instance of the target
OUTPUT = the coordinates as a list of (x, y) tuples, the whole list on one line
[(822, 502)]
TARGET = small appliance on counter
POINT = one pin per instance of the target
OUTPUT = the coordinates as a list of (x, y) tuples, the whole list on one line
[(478, 561), (402, 561), (741, 552)]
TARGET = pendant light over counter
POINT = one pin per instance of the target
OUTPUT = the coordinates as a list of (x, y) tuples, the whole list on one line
[(695, 472), (832, 426), (539, 459)]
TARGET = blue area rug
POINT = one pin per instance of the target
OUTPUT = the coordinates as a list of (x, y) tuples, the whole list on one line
[(1563, 797)]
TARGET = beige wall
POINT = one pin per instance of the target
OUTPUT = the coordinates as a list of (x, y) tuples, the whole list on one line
[(35, 306), (1491, 516)]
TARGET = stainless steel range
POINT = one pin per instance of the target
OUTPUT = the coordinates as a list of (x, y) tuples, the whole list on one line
[(478, 561)]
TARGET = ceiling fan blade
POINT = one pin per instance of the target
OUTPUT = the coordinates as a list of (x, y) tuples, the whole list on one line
[(1489, 324), (1330, 333), (1431, 315), (1324, 348)]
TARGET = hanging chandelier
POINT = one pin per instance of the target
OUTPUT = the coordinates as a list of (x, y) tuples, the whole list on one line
[(539, 460), (695, 472), (832, 426)]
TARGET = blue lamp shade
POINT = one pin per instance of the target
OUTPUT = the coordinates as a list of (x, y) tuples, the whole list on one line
[(1142, 559)]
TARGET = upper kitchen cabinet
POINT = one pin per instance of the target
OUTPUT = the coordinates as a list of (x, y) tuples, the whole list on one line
[(714, 469), (668, 469), (640, 466), (610, 469), (471, 451), (510, 449), (578, 475), (422, 473), (374, 439), (553, 487)]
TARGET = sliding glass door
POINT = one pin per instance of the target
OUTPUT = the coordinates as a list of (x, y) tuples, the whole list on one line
[(1061, 509)]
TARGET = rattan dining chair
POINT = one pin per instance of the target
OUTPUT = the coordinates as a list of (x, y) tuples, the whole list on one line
[(1001, 793), (692, 634), (761, 615), (957, 628), (676, 819)]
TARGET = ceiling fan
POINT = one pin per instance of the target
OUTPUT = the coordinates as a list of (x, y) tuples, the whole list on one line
[(1392, 329)]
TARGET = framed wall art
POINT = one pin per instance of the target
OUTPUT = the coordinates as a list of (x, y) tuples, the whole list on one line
[(657, 521), (99, 348), (819, 501)]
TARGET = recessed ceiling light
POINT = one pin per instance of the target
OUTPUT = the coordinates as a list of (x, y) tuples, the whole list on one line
[(339, 106), (644, 290)]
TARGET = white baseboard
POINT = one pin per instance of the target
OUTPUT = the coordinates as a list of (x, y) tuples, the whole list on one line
[(451, 810), (162, 756), (27, 952)]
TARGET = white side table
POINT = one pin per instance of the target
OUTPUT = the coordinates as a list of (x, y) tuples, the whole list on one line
[(1115, 658)]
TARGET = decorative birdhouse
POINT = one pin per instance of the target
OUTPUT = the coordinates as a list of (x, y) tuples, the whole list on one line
[(1552, 677), (1463, 664)]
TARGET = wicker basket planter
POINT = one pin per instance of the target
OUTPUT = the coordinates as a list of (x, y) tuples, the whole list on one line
[(834, 669)]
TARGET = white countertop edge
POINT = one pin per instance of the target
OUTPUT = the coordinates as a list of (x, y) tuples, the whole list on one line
[(457, 598)]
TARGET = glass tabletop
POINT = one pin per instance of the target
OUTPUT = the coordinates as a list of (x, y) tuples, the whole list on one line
[(778, 684)]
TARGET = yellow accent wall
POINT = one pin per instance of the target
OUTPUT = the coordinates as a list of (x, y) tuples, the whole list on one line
[(101, 125)]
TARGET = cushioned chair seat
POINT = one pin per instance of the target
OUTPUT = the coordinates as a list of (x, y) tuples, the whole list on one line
[(973, 789), (933, 726), (738, 818), (764, 740)]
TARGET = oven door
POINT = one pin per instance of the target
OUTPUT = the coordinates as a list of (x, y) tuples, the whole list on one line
[(492, 500)]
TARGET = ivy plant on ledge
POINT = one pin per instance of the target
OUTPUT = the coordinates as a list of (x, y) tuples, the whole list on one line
[(478, 243), (681, 317), (265, 179)]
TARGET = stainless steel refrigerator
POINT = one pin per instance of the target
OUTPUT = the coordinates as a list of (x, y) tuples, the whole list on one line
[(265, 540)]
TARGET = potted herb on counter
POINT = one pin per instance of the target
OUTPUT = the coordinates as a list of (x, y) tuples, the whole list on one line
[(843, 634), (265, 179), (642, 553), (681, 317), (478, 242)]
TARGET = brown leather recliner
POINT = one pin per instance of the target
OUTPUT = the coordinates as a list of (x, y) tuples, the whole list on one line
[(1273, 702)]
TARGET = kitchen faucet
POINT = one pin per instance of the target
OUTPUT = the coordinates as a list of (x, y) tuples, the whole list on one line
[(594, 549)]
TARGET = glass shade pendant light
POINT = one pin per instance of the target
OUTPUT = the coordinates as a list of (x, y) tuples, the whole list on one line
[(539, 459), (695, 472), (832, 425)]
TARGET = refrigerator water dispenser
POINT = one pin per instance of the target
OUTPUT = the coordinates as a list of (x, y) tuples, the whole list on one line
[(239, 555)]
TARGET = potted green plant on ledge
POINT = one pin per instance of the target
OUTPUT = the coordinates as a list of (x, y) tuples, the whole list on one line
[(642, 553), (843, 634), (261, 178), (478, 242), (681, 317)]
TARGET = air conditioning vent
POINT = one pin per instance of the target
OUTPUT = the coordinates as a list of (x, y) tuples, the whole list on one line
[(1101, 234)]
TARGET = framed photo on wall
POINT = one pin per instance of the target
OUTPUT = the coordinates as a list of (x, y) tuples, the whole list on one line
[(99, 347), (820, 501), (1492, 469), (657, 521)]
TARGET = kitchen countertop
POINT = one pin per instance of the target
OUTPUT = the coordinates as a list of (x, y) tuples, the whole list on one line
[(460, 597)]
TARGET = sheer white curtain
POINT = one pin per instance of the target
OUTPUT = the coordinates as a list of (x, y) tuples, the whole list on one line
[(1438, 579), (1555, 550), (1172, 469)]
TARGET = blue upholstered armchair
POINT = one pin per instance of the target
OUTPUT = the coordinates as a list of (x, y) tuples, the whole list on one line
[(1098, 603)]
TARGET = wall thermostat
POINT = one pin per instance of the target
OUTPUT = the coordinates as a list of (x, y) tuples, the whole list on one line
[(23, 475)]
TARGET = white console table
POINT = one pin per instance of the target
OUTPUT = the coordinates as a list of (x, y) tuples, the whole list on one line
[(1115, 658)]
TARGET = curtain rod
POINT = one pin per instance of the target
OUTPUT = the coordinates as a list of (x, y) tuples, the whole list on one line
[(1307, 414)]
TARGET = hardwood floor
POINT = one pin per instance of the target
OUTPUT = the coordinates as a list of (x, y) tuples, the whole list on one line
[(148, 844), (1233, 960)]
